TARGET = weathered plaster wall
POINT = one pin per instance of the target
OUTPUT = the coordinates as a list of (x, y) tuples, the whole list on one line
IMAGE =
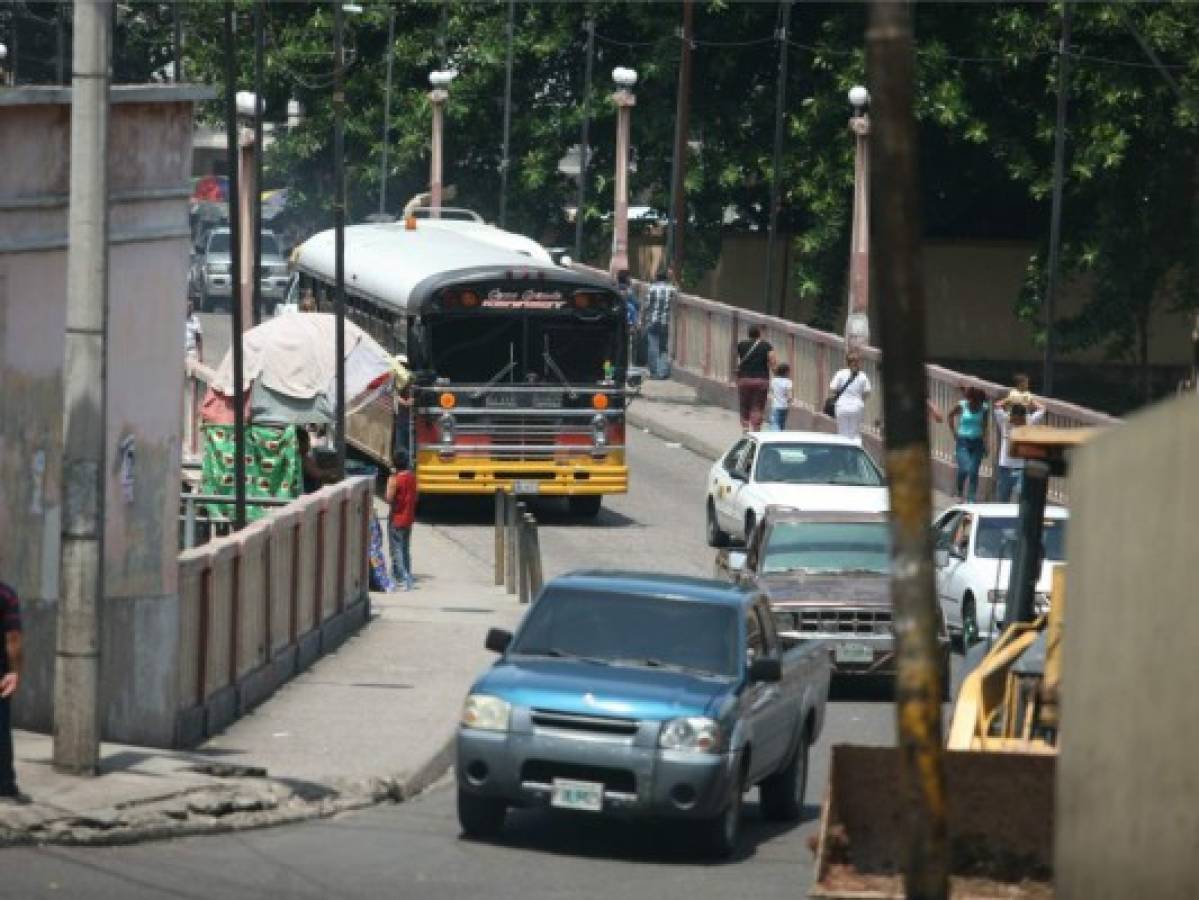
[(149, 167)]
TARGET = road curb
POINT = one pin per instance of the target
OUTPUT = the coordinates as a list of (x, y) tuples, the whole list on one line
[(695, 444), (131, 825)]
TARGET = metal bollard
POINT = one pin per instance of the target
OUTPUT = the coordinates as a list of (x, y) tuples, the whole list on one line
[(533, 545), (525, 574), (518, 535), (510, 517), (499, 537)]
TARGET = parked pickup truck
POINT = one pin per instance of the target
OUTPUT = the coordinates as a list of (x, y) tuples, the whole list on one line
[(825, 575), (642, 695)]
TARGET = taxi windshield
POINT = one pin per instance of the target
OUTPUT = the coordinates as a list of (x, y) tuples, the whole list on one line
[(817, 464)]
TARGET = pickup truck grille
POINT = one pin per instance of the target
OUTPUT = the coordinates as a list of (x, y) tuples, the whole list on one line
[(835, 621), (604, 725), (541, 771)]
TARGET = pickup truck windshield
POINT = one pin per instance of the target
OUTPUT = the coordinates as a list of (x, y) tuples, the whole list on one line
[(633, 630), (816, 464), (828, 547), (998, 535)]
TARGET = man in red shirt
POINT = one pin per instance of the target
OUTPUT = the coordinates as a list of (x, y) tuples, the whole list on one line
[(401, 496), (10, 677)]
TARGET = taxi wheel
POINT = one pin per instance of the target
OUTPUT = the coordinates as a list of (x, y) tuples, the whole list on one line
[(716, 537), (480, 817)]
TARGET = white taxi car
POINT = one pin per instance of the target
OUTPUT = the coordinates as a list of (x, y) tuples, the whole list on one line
[(976, 543), (806, 470)]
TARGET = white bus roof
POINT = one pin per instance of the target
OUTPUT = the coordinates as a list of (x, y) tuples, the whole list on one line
[(392, 264)]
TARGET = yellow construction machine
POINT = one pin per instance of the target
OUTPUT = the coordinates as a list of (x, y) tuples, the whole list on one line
[(1000, 756)]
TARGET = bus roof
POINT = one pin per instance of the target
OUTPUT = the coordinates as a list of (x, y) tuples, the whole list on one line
[(402, 267)]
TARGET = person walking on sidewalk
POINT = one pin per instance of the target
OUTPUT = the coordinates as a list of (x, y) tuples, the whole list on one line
[(10, 679), (1010, 474), (782, 393), (193, 334), (755, 362), (850, 388), (656, 315), (401, 497), (968, 423)]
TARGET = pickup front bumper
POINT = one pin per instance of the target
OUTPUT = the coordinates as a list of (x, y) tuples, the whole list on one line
[(638, 780)]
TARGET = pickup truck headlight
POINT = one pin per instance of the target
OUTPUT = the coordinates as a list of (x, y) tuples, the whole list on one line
[(695, 734), (486, 713), (217, 268)]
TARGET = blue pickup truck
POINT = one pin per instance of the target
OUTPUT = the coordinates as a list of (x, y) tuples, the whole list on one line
[(642, 695)]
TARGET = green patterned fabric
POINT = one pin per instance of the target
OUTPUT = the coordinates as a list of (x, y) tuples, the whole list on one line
[(272, 466)]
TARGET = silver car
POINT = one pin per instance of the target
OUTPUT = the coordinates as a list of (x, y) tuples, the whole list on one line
[(212, 276)]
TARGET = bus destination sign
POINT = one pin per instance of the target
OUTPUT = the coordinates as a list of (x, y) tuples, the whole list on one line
[(529, 299)]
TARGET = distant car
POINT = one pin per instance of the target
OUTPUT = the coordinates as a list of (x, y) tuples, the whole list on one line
[(827, 578), (802, 469), (975, 544), (642, 695), (211, 277)]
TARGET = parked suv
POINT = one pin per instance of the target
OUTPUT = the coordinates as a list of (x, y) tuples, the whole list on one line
[(212, 277)]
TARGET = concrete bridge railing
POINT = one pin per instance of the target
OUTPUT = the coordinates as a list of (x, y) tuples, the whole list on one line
[(259, 605), (704, 337)]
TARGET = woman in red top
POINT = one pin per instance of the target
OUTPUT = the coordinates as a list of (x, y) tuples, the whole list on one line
[(401, 496)]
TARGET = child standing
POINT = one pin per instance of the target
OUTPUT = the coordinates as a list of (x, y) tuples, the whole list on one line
[(401, 496), (782, 394)]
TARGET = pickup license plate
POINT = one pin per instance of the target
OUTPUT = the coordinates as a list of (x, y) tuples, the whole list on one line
[(854, 653), (526, 487), (585, 795)]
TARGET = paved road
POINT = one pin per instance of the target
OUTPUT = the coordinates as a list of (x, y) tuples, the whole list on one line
[(413, 850)]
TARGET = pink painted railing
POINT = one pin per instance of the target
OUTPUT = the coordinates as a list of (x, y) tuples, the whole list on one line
[(704, 337)]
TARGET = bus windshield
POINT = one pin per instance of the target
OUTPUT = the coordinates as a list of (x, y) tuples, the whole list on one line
[(526, 349)]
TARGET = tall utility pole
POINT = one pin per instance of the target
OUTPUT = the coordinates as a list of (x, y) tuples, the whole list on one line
[(504, 162), (625, 100), (259, 153), (177, 40), (1055, 215), (235, 266), (85, 416), (889, 57), (857, 320), (584, 149), (391, 39), (339, 225), (780, 114), (678, 180)]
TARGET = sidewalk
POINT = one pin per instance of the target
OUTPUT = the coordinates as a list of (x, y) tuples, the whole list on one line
[(373, 721), (673, 411)]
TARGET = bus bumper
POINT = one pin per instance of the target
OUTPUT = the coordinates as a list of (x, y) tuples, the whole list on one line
[(552, 477)]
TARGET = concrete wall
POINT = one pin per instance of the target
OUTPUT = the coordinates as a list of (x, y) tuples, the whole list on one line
[(256, 607), (150, 156), (971, 289), (1128, 774)]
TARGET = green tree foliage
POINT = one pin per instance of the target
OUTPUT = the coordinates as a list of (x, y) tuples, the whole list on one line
[(986, 95)]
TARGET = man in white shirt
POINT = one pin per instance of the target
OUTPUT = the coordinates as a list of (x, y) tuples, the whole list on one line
[(851, 387), (1009, 477)]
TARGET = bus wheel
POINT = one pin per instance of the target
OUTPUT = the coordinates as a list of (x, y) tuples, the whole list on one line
[(586, 505)]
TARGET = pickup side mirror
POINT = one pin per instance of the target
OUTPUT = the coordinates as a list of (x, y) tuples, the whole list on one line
[(766, 669), (497, 640)]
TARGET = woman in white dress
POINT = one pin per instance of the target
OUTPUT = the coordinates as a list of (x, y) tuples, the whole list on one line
[(850, 387)]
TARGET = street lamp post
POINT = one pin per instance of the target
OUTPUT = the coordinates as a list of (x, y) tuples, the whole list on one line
[(249, 109), (857, 323), (440, 82), (625, 101)]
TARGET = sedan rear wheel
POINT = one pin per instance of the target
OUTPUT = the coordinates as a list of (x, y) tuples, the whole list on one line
[(716, 537)]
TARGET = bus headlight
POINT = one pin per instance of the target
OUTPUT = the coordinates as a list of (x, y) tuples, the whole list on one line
[(599, 431), (446, 424)]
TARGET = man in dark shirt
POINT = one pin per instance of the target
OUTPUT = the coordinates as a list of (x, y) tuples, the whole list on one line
[(10, 676)]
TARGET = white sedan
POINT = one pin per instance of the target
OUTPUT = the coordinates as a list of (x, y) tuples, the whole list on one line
[(802, 469), (977, 542)]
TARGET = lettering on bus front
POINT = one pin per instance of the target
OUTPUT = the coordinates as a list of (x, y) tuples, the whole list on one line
[(530, 299)]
